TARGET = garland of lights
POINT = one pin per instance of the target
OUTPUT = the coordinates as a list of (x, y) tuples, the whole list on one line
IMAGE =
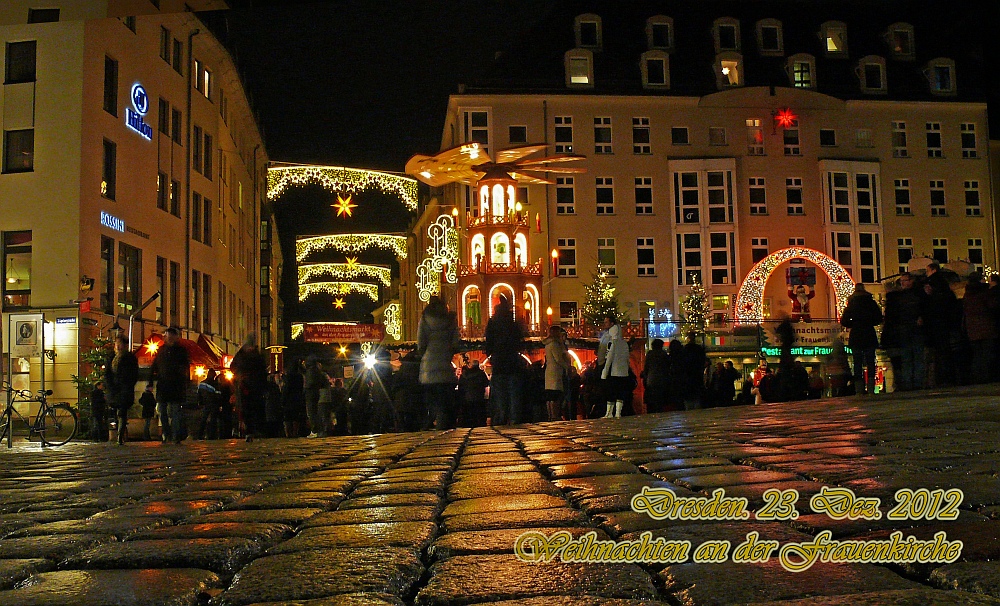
[(338, 288), (344, 271), (391, 319), (695, 308), (442, 257), (337, 179), (350, 243), (297, 329), (750, 299)]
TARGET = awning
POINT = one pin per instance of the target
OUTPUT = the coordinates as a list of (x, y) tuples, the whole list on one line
[(199, 357)]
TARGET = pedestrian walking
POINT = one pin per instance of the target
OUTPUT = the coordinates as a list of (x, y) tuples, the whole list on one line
[(171, 373), (314, 381), (148, 402), (337, 408), (472, 395), (273, 414), (99, 413), (655, 378), (210, 400), (903, 333), (438, 341), (861, 316), (504, 342), (121, 374), (980, 328), (407, 398), (250, 381), (293, 399), (557, 365), (616, 369)]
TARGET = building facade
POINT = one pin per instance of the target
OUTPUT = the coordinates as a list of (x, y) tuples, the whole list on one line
[(835, 151), (132, 165)]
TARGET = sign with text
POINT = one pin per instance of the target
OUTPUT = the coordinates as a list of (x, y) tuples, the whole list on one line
[(343, 333), (807, 334), (25, 335)]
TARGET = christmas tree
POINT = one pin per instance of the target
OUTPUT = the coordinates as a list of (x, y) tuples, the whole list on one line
[(694, 308), (601, 298)]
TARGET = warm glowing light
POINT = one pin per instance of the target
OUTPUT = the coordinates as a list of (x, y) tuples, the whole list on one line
[(426, 174), (12, 280), (352, 271), (338, 288), (442, 258), (152, 347), (344, 206), (527, 305), (200, 371), (297, 330), (342, 352), (392, 321), (228, 374), (352, 262), (725, 71), (350, 243), (518, 207), (338, 303), (548, 311), (785, 118), (454, 212), (555, 254), (370, 361), (339, 179)]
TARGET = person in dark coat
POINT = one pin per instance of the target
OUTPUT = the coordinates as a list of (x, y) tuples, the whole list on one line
[(980, 328), (655, 378), (408, 405), (694, 372), (120, 375), (148, 402), (861, 316), (99, 413), (472, 392), (504, 342), (676, 369), (942, 318), (315, 379), (293, 399), (226, 398), (210, 400), (273, 415), (250, 379), (903, 333), (438, 341), (171, 371)]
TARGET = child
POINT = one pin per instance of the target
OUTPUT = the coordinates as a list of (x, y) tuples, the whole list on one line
[(148, 402)]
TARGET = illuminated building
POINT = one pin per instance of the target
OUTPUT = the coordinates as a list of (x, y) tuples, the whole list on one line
[(132, 164)]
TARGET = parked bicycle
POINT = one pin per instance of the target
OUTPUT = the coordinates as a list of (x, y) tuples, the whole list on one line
[(55, 424)]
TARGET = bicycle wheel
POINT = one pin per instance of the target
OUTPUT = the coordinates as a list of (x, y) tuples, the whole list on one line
[(58, 425), (4, 425)]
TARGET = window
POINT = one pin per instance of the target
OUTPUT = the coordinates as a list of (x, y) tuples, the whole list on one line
[(165, 44), (721, 254), (175, 294), (863, 138), (866, 196), (871, 70), (841, 249), (162, 194), (579, 65), (655, 67), (687, 198), (758, 196), (717, 135), (202, 79), (564, 134), (163, 117), (940, 75), (643, 195), (834, 37), (790, 136), (175, 198), (934, 140), (129, 22), (196, 216), (758, 249), (728, 70), (476, 124), (588, 31), (840, 197), (43, 15), (899, 140), (972, 208), (939, 249), (161, 287), (904, 252), (770, 41), (20, 62), (19, 151), (869, 257), (755, 138), (969, 140), (938, 208), (195, 298), (645, 255), (800, 242), (567, 311), (107, 275), (111, 86), (606, 254), (517, 134), (902, 188), (223, 327), (17, 268), (209, 154), (605, 196), (976, 253), (827, 137), (602, 135), (900, 40), (679, 135), (565, 196), (688, 259), (567, 256), (793, 196), (206, 299), (640, 136), (196, 150), (129, 279), (175, 125), (726, 31), (178, 57), (659, 33), (801, 70), (110, 170)]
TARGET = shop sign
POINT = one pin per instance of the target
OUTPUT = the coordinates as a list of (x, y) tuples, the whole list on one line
[(807, 334), (66, 320), (343, 333), (134, 118), (112, 222)]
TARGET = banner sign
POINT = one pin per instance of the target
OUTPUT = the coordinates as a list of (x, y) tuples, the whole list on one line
[(343, 333), (25, 335), (807, 334)]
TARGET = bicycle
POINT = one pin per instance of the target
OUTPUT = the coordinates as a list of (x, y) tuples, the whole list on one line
[(55, 424)]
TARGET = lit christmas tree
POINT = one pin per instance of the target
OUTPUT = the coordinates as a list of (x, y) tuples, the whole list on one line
[(694, 308), (601, 298)]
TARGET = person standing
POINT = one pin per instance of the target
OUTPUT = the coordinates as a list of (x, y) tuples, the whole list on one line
[(315, 380), (407, 398), (472, 391), (655, 378), (980, 328), (437, 343), (293, 400), (171, 371), (676, 369), (695, 360), (557, 365), (250, 379), (148, 402), (941, 320), (504, 342), (903, 333), (861, 316), (120, 375), (616, 370), (99, 413)]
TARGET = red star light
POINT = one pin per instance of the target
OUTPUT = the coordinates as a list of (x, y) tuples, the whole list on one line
[(785, 118)]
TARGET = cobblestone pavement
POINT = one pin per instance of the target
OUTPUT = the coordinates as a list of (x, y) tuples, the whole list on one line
[(431, 518)]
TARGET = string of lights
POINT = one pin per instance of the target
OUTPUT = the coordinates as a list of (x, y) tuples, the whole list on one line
[(392, 320), (338, 179), (350, 244), (338, 288), (350, 272)]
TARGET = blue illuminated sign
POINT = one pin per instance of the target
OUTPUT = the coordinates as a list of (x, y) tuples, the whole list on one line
[(68, 320), (133, 118), (112, 222)]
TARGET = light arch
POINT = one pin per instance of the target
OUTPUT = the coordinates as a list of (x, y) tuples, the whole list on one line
[(493, 294), (750, 299), (500, 249)]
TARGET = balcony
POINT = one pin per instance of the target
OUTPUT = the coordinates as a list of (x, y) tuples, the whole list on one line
[(512, 219), (535, 269)]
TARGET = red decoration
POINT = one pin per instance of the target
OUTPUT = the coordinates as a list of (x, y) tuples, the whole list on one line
[(785, 118)]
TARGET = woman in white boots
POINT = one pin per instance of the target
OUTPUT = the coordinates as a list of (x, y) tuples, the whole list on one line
[(615, 371)]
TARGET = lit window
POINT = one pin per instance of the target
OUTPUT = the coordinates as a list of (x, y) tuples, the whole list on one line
[(643, 195), (902, 188), (802, 70), (769, 37), (755, 138), (640, 136), (579, 68), (834, 37), (659, 33), (900, 39), (729, 70), (938, 205), (871, 70), (602, 135), (969, 140), (940, 75), (726, 31), (655, 69), (758, 196)]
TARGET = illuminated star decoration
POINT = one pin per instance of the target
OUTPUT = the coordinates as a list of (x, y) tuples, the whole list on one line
[(344, 206), (785, 118), (352, 262), (338, 303)]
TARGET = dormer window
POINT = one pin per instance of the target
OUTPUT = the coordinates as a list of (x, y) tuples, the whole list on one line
[(833, 34), (899, 36), (660, 33), (871, 71), (802, 71), (579, 64), (726, 32), (655, 68), (940, 74), (588, 31), (770, 40), (728, 70)]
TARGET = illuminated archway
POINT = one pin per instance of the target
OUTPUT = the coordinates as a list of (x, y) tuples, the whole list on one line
[(750, 299), (520, 250), (500, 249), (500, 288), (471, 306)]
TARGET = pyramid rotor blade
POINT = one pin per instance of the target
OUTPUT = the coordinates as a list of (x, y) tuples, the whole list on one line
[(516, 153)]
